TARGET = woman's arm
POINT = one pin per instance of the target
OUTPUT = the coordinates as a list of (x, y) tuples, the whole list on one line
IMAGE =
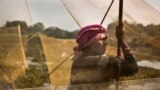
[(129, 66), (120, 34)]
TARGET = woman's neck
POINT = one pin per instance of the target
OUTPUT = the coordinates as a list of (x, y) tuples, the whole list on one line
[(91, 54)]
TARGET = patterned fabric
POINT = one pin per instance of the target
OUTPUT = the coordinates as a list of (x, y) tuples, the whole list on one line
[(89, 32), (86, 36), (111, 67)]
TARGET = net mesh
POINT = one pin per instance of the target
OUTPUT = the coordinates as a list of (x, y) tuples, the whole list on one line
[(91, 11), (12, 57), (135, 12), (15, 10), (55, 52), (44, 54)]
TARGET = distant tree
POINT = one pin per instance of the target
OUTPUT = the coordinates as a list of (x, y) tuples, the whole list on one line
[(60, 33), (39, 26), (22, 24), (153, 30)]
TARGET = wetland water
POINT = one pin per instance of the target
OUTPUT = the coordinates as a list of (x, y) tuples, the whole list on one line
[(150, 64)]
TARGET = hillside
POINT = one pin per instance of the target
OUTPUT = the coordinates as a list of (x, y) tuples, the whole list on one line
[(59, 33)]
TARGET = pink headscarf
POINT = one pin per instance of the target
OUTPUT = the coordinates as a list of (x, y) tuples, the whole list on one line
[(87, 35), (88, 32)]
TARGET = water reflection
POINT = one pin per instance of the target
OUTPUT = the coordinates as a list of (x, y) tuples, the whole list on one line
[(154, 64)]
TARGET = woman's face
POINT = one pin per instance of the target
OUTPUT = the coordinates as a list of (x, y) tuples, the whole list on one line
[(99, 46)]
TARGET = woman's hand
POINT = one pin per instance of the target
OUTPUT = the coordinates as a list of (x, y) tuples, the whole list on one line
[(120, 34)]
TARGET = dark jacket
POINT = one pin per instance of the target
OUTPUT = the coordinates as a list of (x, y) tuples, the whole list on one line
[(95, 69)]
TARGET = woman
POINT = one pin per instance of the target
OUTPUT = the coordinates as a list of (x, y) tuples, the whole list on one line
[(89, 53)]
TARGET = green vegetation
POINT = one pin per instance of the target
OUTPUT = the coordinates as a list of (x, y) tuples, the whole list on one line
[(32, 79)]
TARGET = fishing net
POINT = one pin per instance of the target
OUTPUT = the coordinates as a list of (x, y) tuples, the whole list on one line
[(92, 11), (45, 55), (12, 56), (18, 10), (138, 17), (55, 52)]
